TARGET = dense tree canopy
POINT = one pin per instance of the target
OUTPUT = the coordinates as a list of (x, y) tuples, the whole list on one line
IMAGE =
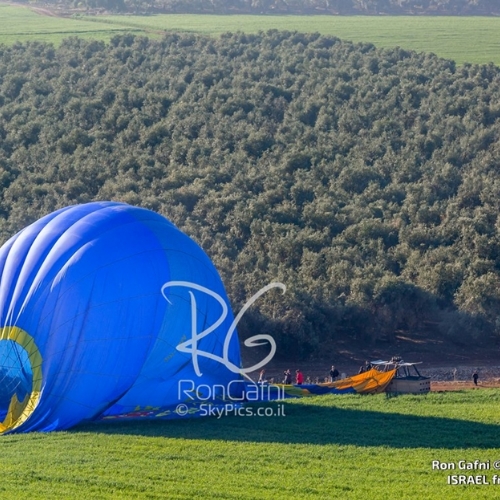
[(366, 180)]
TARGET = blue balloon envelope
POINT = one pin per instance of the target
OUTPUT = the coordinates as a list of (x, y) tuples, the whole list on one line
[(109, 311)]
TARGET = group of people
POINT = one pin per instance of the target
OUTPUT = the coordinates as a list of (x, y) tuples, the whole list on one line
[(334, 375), (365, 368), (299, 376)]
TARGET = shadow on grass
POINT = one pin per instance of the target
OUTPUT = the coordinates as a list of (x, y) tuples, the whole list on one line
[(309, 424)]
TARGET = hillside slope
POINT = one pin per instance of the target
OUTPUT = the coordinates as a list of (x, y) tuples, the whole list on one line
[(366, 180)]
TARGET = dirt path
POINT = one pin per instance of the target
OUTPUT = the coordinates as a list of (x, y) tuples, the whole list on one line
[(440, 386), (43, 11)]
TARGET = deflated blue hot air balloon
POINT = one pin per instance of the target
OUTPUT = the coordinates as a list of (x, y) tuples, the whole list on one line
[(109, 311)]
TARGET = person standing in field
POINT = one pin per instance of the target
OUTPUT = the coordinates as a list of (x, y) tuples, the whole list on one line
[(299, 378), (334, 373), (475, 376)]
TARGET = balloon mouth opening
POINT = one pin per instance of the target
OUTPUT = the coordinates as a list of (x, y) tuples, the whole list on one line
[(20, 377)]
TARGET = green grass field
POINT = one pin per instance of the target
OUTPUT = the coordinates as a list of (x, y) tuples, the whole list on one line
[(21, 24), (345, 447), (464, 39)]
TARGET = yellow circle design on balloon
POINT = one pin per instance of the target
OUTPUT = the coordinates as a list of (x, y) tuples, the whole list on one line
[(19, 411)]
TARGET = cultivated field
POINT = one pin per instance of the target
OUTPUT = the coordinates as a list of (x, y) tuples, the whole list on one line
[(464, 39), (470, 39), (345, 447), (20, 24)]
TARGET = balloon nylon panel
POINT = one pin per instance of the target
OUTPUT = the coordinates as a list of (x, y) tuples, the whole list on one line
[(85, 284)]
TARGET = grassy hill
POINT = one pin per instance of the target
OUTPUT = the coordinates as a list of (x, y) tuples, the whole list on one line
[(364, 179)]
